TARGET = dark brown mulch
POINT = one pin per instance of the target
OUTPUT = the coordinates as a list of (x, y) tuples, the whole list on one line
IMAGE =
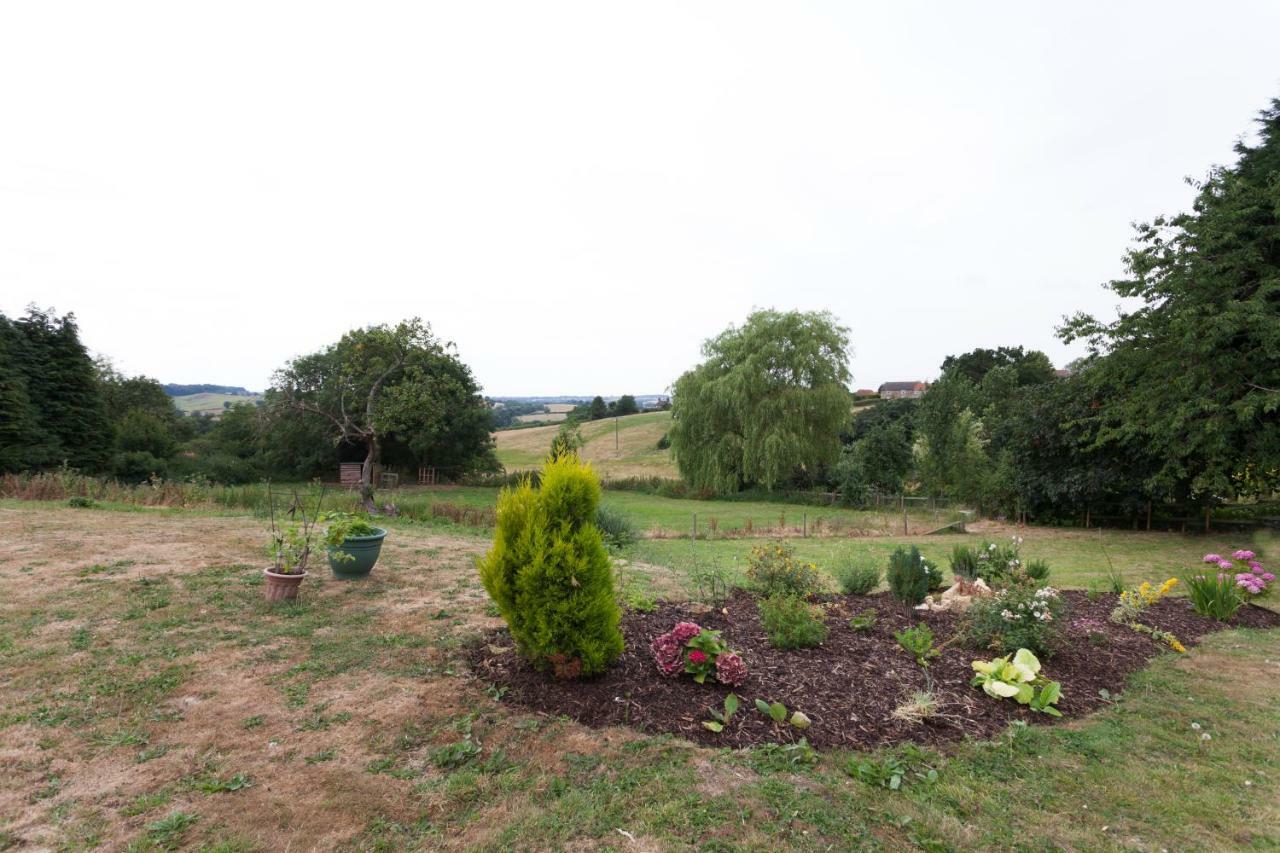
[(850, 685)]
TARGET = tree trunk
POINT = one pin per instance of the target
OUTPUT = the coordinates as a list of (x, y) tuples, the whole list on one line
[(366, 475)]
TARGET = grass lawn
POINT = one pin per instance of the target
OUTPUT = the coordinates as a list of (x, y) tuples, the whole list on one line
[(151, 698), (1077, 558)]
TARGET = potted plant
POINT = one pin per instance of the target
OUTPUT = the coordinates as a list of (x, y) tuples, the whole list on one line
[(352, 543), (291, 547)]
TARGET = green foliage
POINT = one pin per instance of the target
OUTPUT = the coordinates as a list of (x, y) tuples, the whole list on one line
[(1018, 677), (1193, 371), (791, 622), (1020, 616), (774, 570), (711, 582), (720, 718), (918, 642), (1037, 570), (293, 542), (1029, 368), (615, 526), (857, 579), (878, 462), (863, 621), (951, 444), (626, 405), (567, 441), (909, 576), (665, 441), (341, 526), (964, 562), (909, 765), (777, 712), (58, 414), (550, 574), (769, 399), (1214, 594), (597, 409), (391, 389)]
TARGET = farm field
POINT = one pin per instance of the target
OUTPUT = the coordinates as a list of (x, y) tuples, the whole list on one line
[(151, 698), (210, 404), (637, 455)]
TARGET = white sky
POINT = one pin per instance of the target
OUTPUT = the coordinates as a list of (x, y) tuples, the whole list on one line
[(579, 194)]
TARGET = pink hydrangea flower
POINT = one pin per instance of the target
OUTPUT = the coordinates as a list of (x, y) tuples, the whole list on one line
[(1243, 555), (668, 654), (730, 669), (685, 631), (697, 656)]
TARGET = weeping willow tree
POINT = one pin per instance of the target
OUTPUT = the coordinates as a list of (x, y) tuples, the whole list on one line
[(769, 400)]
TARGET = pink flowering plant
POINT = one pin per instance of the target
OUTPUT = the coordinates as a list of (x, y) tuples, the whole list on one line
[(1255, 582), (700, 652)]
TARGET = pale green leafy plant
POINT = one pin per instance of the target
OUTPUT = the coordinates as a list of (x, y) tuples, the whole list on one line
[(1018, 677)]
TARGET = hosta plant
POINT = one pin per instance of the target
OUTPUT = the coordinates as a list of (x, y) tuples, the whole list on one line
[(722, 718), (1018, 677)]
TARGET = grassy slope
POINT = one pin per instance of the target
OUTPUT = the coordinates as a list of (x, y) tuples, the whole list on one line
[(637, 455), (190, 403), (141, 672)]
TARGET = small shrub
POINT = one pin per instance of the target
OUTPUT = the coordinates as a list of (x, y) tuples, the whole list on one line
[(774, 570), (1014, 618), (615, 527), (790, 622), (550, 573), (700, 652), (918, 642), (964, 562), (864, 621), (857, 580), (1037, 570), (909, 576), (711, 582), (665, 441), (1214, 595), (81, 502)]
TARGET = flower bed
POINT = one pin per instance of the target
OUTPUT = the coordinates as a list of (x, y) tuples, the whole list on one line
[(850, 685)]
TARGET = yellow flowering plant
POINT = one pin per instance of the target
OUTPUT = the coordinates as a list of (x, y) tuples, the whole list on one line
[(774, 570), (1134, 602)]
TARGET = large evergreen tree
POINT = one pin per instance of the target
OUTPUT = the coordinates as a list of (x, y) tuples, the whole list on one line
[(1195, 369), (23, 444), (769, 400), (62, 387)]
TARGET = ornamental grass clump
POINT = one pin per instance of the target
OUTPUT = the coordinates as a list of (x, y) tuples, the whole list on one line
[(691, 649), (550, 575), (857, 580)]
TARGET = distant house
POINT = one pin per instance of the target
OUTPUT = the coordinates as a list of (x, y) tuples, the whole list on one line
[(864, 392), (1062, 372), (902, 390)]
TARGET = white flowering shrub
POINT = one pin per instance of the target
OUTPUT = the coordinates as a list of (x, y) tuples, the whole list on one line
[(1016, 617)]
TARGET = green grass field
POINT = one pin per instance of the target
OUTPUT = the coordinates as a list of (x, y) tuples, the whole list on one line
[(636, 453), (152, 700), (210, 404)]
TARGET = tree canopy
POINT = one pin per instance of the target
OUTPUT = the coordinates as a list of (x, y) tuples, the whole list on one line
[(770, 398), (385, 384), (1194, 371)]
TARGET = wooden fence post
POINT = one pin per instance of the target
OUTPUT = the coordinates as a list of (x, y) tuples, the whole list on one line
[(1148, 516), (804, 525), (693, 531)]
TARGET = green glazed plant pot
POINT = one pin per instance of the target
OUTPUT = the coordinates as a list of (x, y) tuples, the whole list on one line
[(364, 550)]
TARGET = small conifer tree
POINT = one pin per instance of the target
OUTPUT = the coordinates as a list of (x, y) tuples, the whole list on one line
[(550, 574)]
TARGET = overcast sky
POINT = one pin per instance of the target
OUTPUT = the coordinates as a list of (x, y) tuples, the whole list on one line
[(579, 194)]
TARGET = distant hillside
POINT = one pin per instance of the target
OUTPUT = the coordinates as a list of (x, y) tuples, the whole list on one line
[(174, 390), (212, 403), (637, 453)]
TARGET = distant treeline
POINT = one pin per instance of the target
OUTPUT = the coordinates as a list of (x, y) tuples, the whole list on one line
[(174, 390)]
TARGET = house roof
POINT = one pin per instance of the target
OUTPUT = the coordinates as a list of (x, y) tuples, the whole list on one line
[(900, 386)]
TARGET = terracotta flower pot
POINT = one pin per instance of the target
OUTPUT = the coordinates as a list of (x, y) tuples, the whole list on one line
[(282, 587)]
